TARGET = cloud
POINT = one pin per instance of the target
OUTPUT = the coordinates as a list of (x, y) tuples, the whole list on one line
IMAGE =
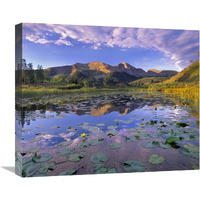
[(179, 46), (37, 39), (60, 42)]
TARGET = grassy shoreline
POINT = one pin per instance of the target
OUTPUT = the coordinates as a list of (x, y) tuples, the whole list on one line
[(41, 91), (181, 96), (44, 91)]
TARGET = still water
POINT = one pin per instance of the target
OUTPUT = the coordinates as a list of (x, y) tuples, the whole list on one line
[(108, 132)]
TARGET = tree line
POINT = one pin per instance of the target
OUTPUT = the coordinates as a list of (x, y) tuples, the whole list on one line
[(25, 74)]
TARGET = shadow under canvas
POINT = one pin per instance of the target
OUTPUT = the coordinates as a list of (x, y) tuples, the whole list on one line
[(9, 168)]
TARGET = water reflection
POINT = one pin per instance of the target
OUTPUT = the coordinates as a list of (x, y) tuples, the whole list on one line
[(126, 118), (95, 105)]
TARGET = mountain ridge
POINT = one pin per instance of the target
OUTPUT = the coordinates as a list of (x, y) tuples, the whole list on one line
[(104, 69)]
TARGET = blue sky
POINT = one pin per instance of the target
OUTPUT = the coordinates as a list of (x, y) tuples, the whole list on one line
[(56, 45)]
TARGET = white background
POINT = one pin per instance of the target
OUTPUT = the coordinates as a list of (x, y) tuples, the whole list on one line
[(173, 14)]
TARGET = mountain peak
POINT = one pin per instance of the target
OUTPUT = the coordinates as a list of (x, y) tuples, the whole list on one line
[(100, 69), (124, 65), (99, 66)]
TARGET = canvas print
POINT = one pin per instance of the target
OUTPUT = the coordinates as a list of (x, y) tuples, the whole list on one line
[(97, 100)]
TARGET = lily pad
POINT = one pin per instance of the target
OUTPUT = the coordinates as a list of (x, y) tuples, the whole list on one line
[(101, 124), (182, 124), (140, 136), (156, 135), (65, 143), (98, 157), (150, 144), (116, 145), (83, 144), (68, 172), (131, 139), (156, 159), (24, 161), (111, 132), (98, 166), (42, 157), (47, 166), (104, 170), (195, 167), (171, 140), (93, 129), (152, 122), (134, 166), (83, 124), (194, 137), (54, 127), (30, 169), (37, 139), (39, 175), (127, 121), (18, 168), (42, 133), (33, 149), (65, 152), (76, 156), (111, 127), (97, 141), (165, 145), (191, 150)]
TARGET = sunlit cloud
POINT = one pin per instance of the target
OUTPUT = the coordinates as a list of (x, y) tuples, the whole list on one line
[(179, 46)]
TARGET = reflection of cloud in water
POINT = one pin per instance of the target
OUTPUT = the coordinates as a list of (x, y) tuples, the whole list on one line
[(67, 135), (48, 136), (75, 142), (96, 105)]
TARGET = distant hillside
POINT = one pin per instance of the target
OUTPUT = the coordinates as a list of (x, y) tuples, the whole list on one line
[(146, 82), (189, 75), (161, 73), (105, 69), (99, 74), (118, 79)]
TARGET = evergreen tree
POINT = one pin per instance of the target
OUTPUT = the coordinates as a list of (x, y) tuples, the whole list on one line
[(40, 74)]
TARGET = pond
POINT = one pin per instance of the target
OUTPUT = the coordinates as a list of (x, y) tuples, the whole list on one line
[(107, 132)]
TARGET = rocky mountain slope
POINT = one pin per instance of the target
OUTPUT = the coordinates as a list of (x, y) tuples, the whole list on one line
[(100, 70)]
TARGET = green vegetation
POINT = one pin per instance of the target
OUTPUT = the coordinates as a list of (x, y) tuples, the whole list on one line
[(118, 79), (189, 75), (147, 82), (39, 82), (25, 74), (159, 133)]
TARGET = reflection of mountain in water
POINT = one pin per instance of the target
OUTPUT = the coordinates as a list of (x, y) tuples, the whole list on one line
[(122, 106), (96, 105)]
